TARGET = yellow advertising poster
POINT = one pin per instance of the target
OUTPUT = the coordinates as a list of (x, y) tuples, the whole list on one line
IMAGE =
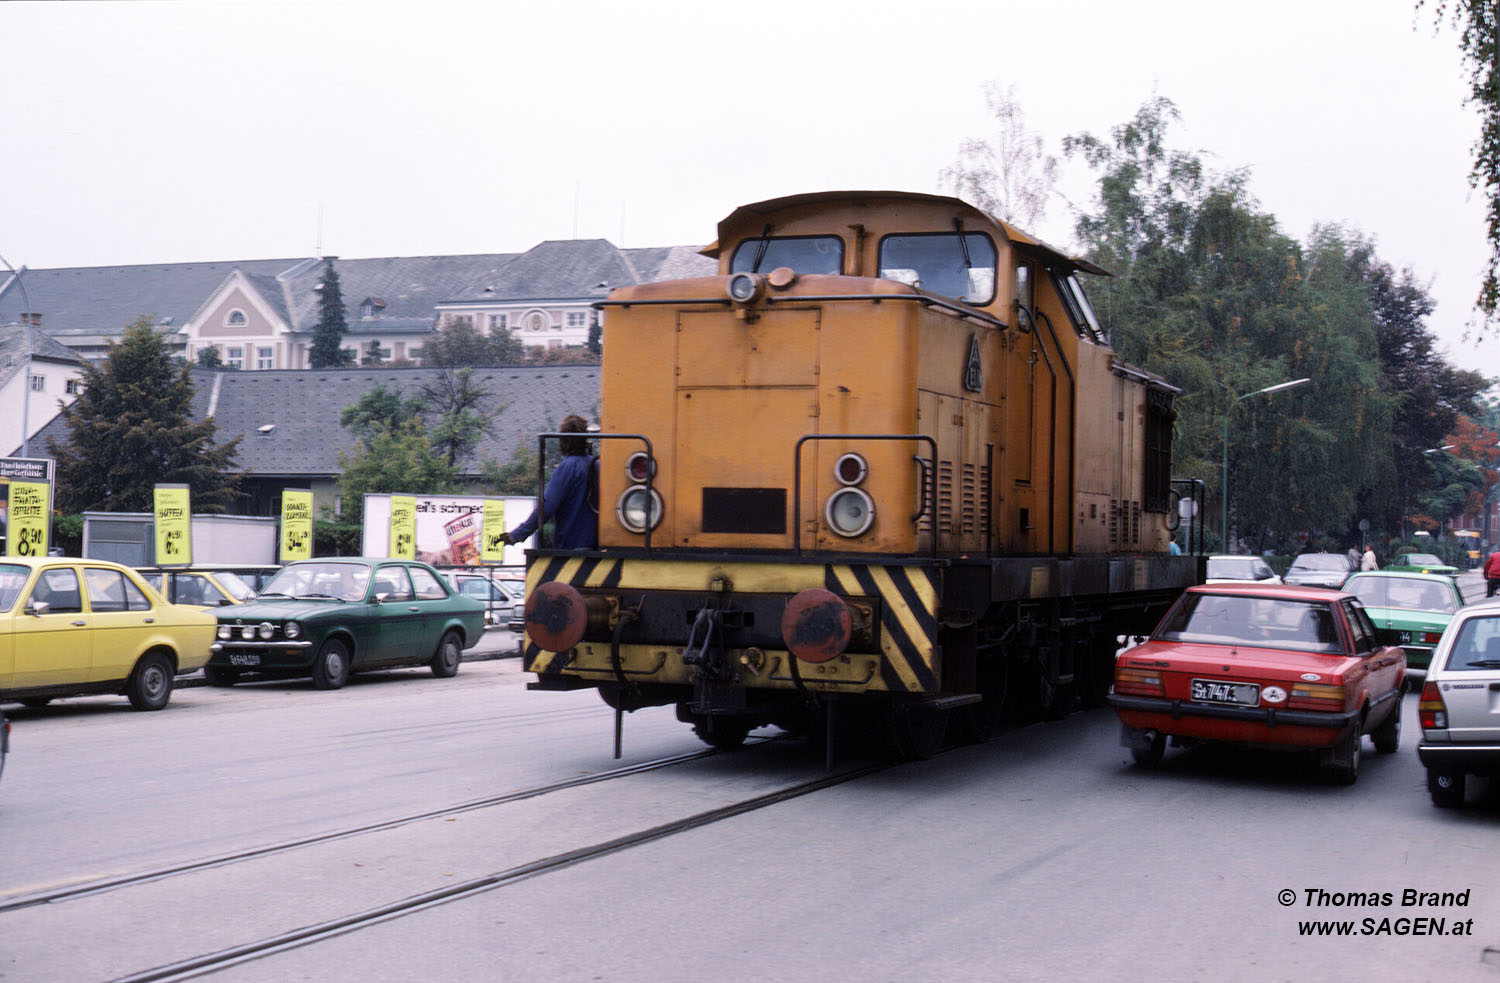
[(403, 537), (27, 518), (491, 535), (174, 526), (296, 525)]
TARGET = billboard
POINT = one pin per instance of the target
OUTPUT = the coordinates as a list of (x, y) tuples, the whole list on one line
[(450, 530)]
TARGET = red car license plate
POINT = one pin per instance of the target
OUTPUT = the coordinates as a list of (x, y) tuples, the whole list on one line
[(1219, 691)]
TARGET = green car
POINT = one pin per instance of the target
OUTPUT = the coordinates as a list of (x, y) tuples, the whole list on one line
[(329, 618), (1417, 606), (1421, 563)]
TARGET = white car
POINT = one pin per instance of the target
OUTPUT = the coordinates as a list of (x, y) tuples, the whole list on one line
[(1236, 568), (1457, 710)]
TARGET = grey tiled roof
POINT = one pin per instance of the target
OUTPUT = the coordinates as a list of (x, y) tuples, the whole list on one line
[(16, 339), (304, 406), (409, 285)]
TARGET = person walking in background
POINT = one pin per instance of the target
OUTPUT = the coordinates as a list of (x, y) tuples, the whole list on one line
[(1492, 573), (1368, 561), (568, 500)]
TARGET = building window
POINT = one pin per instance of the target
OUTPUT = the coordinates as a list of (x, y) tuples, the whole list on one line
[(264, 358), (234, 357), (351, 356), (577, 319), (73, 387), (38, 383), (371, 307), (467, 320), (235, 319), (498, 321), (537, 321)]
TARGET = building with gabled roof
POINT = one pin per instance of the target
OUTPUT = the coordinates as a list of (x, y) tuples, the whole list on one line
[(38, 376)]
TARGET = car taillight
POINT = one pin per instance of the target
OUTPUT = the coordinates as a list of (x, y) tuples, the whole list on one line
[(1138, 682), (1430, 637), (1316, 696), (1431, 711)]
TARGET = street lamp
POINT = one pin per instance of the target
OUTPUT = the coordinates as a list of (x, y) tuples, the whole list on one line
[(1224, 484)]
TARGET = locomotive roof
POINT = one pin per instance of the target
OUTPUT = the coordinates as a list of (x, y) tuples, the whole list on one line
[(760, 209)]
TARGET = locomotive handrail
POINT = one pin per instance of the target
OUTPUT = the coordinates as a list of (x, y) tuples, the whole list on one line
[(929, 493), (926, 299), (541, 474)]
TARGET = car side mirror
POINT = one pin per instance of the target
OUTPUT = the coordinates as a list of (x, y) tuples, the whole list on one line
[(381, 597), (38, 608), (224, 602)]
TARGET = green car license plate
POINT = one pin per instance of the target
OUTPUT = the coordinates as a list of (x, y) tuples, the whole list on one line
[(1223, 691)]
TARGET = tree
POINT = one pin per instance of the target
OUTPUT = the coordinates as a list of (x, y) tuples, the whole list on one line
[(596, 336), (462, 421), (132, 428), (399, 460), (328, 335), (209, 358), (379, 410), (376, 356), (1478, 24), (1009, 175), (457, 343)]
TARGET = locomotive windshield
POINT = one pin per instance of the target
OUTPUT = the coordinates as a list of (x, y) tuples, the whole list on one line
[(955, 265), (805, 254)]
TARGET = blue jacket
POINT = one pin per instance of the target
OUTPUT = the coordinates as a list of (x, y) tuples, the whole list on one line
[(575, 523)]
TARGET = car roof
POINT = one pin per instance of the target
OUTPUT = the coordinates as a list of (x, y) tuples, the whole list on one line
[(42, 561), (1246, 588), (1436, 578)]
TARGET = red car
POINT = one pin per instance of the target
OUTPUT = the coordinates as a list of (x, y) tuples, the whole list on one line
[(1290, 668)]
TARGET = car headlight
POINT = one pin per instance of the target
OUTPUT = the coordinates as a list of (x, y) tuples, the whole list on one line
[(265, 631), (247, 632), (292, 629), (635, 509), (225, 632), (849, 512)]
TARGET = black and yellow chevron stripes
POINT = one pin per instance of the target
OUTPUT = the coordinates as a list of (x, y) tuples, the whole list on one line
[(908, 600)]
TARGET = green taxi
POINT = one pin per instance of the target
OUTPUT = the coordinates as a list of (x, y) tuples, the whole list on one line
[(1415, 606), (1421, 563), (333, 617)]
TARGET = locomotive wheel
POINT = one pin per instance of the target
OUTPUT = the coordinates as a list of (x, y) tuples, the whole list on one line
[(722, 733), (979, 722), (917, 732), (1056, 700), (1099, 671)]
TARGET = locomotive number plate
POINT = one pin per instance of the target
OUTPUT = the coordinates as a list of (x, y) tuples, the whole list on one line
[(1220, 691)]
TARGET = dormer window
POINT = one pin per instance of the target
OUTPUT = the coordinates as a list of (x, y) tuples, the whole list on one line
[(371, 308), (235, 319)]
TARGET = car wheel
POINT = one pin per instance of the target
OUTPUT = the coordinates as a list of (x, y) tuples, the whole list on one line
[(450, 652), (219, 676), (331, 671), (1446, 788), (1150, 756), (36, 702), (1387, 736), (1344, 768), (150, 686)]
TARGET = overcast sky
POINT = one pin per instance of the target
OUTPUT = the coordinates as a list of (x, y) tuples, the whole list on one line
[(175, 132)]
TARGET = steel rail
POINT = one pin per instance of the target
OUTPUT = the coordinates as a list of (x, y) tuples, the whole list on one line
[(296, 938)]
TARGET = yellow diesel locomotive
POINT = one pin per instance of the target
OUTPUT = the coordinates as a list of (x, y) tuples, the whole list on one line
[(883, 466)]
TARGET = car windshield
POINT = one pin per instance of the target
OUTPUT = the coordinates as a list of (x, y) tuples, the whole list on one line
[(1262, 622), (12, 579), (1423, 560), (1238, 568), (237, 588), (343, 581), (1407, 593), (1476, 645), (1320, 561)]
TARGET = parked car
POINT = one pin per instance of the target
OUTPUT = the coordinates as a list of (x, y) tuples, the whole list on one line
[(1421, 563), (329, 618), (497, 595), (1290, 668), (72, 627), (4, 740), (1415, 607), (201, 586), (1318, 570), (1235, 568), (1460, 727)]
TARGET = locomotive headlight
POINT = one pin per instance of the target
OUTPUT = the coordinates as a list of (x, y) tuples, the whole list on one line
[(849, 512), (850, 469), (744, 287), (635, 509), (639, 466)]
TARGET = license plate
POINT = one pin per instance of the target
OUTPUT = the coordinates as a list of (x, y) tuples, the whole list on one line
[(244, 660), (1219, 691)]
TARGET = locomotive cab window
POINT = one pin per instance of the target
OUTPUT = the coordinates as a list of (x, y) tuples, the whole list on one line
[(804, 254), (1080, 311), (957, 265)]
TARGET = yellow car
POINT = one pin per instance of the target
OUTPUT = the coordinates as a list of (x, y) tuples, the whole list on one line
[(71, 627)]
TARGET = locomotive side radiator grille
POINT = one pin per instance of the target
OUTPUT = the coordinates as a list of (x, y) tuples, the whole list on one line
[(945, 498), (968, 498), (1124, 524)]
